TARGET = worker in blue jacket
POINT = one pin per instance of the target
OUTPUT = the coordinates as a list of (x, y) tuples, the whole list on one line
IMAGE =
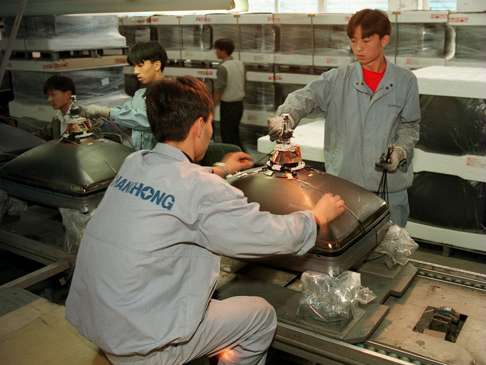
[(148, 263), (369, 106), (148, 60)]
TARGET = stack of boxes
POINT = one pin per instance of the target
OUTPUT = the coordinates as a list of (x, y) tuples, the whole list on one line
[(448, 196), (88, 49)]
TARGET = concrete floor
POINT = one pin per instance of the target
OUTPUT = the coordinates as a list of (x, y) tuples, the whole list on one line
[(458, 258)]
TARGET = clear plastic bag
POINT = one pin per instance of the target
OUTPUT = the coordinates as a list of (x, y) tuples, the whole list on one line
[(11, 206), (331, 299), (260, 38), (75, 223), (452, 125), (397, 246), (49, 26)]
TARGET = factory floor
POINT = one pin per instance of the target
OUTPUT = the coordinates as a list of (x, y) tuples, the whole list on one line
[(45, 225)]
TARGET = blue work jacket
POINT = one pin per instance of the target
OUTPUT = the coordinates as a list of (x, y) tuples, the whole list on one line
[(133, 114)]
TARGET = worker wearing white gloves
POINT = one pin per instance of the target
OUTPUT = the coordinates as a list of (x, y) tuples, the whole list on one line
[(148, 60), (149, 260), (369, 105)]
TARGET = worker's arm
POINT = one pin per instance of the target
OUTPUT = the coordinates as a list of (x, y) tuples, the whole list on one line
[(315, 96), (229, 225), (220, 84), (133, 113), (408, 131)]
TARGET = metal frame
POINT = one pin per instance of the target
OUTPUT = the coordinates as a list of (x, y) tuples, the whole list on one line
[(56, 260)]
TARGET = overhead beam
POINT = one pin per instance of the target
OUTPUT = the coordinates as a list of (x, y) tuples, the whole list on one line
[(58, 7)]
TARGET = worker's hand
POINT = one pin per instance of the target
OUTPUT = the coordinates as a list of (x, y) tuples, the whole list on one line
[(276, 126), (327, 209), (237, 161), (396, 157), (93, 110)]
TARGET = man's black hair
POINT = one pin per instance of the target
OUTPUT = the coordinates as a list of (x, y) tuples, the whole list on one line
[(173, 105), (62, 83), (225, 44), (147, 51), (372, 21)]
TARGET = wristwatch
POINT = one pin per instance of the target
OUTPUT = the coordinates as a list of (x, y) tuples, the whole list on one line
[(222, 165)]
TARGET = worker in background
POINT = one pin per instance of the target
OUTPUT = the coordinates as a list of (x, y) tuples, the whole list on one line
[(149, 260), (59, 90), (229, 91), (148, 60), (369, 106)]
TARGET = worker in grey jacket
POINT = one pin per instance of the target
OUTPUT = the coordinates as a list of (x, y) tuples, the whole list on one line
[(148, 60), (229, 91), (149, 260), (368, 105)]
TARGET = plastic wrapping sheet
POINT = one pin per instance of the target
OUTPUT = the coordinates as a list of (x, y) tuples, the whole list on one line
[(332, 39), (260, 38), (397, 246), (471, 42), (50, 26), (331, 299), (422, 40), (135, 34), (75, 223), (296, 39), (448, 201), (11, 206), (226, 31), (169, 36), (260, 96), (453, 125), (196, 37), (29, 85)]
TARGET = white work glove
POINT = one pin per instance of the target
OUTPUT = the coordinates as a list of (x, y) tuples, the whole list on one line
[(93, 110), (397, 156), (275, 126)]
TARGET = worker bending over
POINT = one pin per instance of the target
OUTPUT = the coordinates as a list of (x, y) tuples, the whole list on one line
[(369, 106), (148, 60), (149, 260)]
